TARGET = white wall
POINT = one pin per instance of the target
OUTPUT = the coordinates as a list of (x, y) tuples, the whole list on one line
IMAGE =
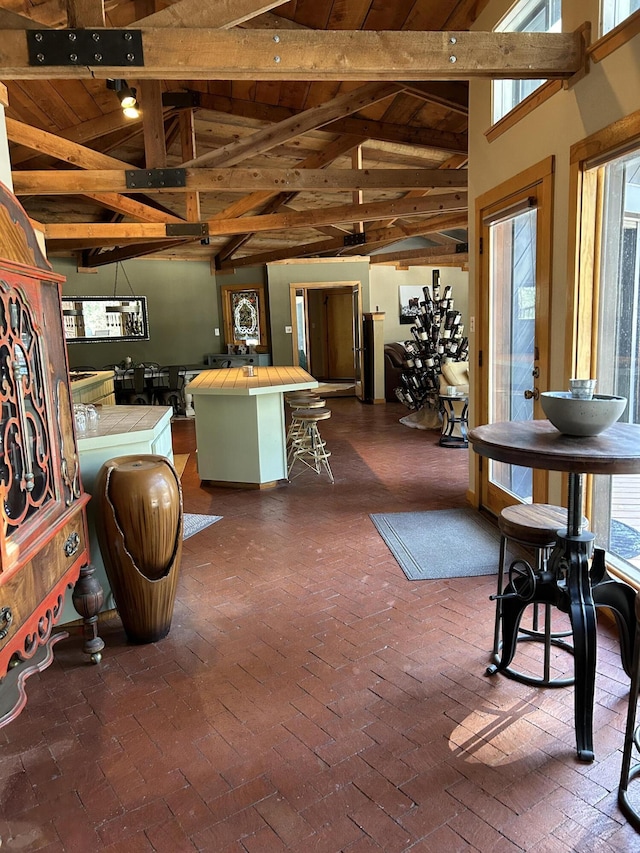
[(385, 282), (610, 91)]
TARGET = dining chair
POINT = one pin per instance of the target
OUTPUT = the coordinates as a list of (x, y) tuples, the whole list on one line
[(171, 392)]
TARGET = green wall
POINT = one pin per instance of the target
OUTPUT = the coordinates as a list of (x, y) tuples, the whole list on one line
[(183, 307), (280, 276)]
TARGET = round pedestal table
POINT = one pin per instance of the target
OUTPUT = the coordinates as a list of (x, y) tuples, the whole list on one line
[(575, 582)]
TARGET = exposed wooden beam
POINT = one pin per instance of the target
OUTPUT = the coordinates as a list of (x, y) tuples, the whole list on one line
[(130, 207), (62, 149), (13, 21), (428, 255), (271, 202), (452, 96), (317, 160), (85, 13), (70, 182), (85, 158), (223, 14), (374, 236), (383, 130), (155, 151), (270, 137), (364, 55), (188, 151), (112, 234)]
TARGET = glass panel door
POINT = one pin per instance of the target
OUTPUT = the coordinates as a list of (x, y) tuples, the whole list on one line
[(514, 224), (615, 500), (512, 353)]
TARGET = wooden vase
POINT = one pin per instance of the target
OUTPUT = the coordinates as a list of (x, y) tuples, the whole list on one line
[(139, 527)]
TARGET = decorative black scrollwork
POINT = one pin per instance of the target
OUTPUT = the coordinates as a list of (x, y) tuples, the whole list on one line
[(6, 618), (72, 544)]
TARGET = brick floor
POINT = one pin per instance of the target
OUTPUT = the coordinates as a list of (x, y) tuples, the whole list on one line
[(309, 696)]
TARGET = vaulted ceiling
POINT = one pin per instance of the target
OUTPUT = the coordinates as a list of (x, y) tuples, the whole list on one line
[(299, 129)]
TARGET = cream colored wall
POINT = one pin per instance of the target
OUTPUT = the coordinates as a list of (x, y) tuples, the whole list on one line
[(610, 91), (384, 283)]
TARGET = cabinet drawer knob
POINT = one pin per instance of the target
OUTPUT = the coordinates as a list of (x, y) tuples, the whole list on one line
[(6, 618), (72, 544)]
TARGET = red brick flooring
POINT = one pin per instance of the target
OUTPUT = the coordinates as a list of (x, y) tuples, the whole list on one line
[(310, 697)]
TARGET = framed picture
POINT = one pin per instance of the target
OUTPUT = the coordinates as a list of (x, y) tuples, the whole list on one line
[(409, 303)]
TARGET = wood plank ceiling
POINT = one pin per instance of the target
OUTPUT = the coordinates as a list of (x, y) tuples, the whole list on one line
[(274, 169)]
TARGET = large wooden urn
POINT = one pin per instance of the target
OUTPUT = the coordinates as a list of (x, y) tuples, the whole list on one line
[(139, 526)]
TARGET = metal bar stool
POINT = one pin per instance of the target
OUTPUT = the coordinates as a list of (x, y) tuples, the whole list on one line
[(295, 401), (307, 446), (632, 735), (533, 526)]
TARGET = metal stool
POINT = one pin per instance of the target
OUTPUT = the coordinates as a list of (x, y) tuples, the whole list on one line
[(295, 401), (632, 735), (307, 446), (533, 526)]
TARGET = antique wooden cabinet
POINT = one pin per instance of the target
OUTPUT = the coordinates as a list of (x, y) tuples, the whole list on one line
[(43, 529)]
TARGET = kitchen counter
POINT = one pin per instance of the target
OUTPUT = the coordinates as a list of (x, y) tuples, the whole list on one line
[(93, 387), (240, 424)]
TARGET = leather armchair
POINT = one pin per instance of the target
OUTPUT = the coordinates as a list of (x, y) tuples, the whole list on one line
[(394, 356)]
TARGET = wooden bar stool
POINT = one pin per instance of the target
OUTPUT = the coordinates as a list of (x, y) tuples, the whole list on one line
[(307, 446), (632, 735), (533, 526)]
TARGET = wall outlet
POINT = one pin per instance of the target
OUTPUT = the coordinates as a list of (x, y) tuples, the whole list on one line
[(288, 329), (216, 332)]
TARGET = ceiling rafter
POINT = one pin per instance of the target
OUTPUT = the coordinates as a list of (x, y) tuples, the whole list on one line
[(244, 54)]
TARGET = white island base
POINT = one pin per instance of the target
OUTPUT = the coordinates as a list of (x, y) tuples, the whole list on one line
[(240, 424)]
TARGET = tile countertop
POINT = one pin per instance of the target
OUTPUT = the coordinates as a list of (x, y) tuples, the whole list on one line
[(116, 421), (265, 380)]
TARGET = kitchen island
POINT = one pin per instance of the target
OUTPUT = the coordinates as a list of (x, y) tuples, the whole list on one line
[(240, 424)]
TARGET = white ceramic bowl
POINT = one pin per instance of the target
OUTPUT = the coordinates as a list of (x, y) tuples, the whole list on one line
[(573, 416)]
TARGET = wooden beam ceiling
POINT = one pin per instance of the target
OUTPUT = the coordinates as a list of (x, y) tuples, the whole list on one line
[(244, 54), (70, 182)]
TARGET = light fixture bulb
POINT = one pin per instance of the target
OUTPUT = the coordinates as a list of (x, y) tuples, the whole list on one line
[(127, 99), (132, 111)]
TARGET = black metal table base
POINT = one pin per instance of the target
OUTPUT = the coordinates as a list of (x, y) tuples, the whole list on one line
[(577, 586)]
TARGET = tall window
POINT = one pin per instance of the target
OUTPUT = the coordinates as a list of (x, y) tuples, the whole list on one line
[(615, 11), (616, 509), (531, 16)]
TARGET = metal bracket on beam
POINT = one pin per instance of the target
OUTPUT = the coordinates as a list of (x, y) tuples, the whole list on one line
[(181, 99), (140, 179), (188, 229), (85, 47), (355, 239), (462, 248)]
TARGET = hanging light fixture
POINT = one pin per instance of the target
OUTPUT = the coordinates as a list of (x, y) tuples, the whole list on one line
[(126, 96)]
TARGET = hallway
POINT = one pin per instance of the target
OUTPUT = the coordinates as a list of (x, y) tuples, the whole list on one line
[(310, 697)]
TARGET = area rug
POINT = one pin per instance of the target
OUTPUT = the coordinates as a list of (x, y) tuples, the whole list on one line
[(624, 540), (193, 523), (444, 543)]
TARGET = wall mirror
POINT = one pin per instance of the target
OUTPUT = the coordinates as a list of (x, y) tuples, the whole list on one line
[(97, 319), (245, 317)]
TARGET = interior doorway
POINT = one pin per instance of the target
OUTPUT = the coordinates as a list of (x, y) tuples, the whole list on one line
[(327, 331)]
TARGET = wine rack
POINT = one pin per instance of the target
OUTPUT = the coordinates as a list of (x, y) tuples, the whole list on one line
[(437, 337)]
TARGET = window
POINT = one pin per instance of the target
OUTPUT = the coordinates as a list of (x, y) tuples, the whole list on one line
[(615, 11), (615, 505), (538, 16)]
